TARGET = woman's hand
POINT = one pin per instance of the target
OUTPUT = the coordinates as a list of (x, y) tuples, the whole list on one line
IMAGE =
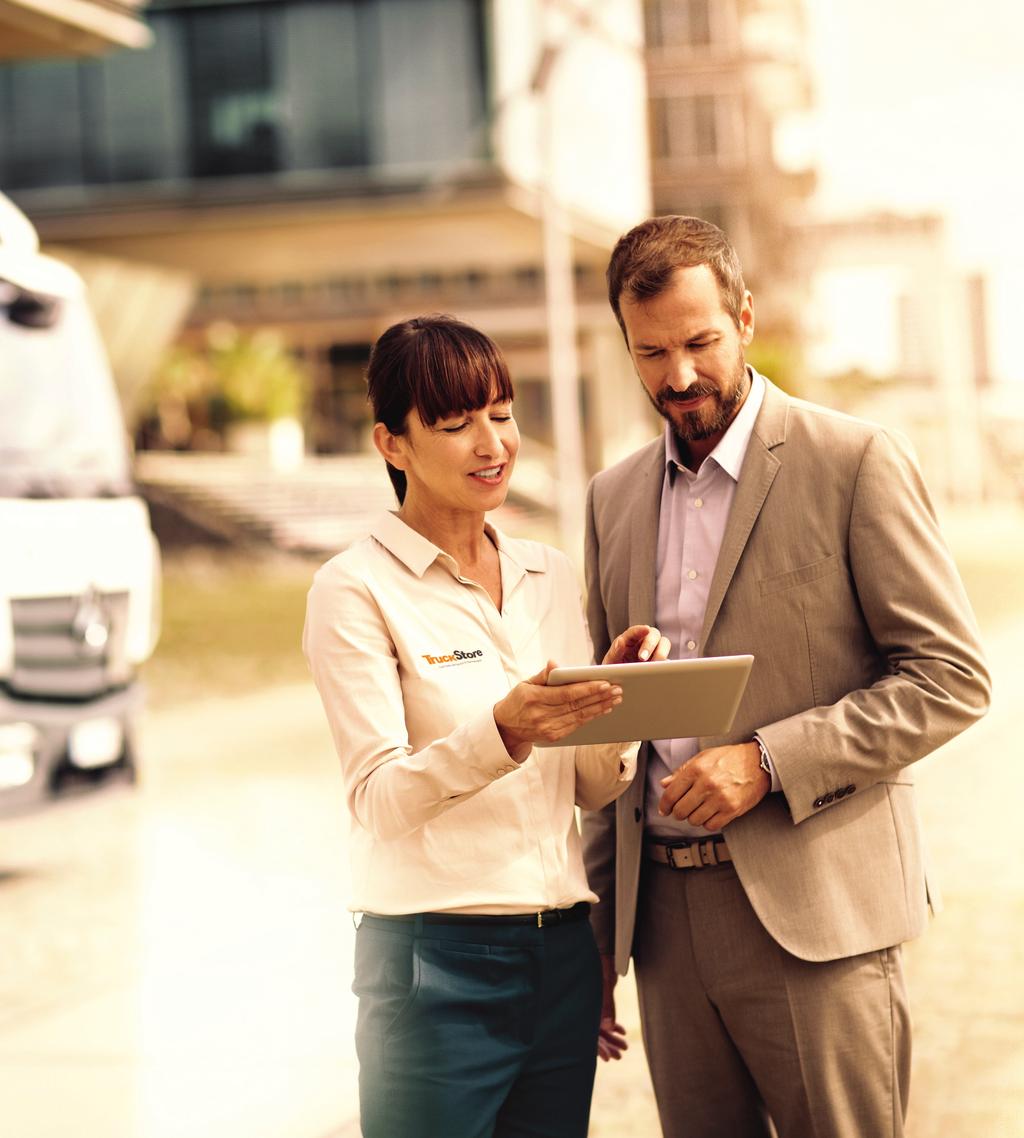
[(533, 712), (638, 643)]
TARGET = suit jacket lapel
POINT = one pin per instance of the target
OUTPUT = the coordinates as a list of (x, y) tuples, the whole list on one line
[(643, 552), (759, 469)]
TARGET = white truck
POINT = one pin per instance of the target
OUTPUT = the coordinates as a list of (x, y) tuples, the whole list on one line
[(79, 564)]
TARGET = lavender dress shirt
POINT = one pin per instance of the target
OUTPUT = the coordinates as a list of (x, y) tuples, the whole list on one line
[(694, 510)]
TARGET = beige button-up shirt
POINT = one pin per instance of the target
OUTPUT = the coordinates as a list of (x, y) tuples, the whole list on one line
[(409, 659)]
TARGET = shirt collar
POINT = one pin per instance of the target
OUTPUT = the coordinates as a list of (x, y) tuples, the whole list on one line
[(417, 553), (731, 448)]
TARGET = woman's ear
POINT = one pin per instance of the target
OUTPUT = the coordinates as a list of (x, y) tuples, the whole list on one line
[(391, 447)]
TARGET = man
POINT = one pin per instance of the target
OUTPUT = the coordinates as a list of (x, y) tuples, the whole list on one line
[(764, 881)]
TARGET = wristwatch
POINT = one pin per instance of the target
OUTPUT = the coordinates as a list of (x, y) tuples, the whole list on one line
[(766, 763)]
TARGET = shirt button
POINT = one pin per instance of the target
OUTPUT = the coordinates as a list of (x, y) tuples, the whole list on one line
[(692, 574), (698, 502), (691, 644)]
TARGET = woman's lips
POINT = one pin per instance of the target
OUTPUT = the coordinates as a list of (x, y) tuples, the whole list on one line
[(490, 474)]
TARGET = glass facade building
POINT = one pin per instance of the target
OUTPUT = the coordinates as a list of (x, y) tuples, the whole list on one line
[(264, 88)]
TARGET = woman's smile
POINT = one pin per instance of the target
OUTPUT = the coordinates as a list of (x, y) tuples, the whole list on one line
[(490, 474)]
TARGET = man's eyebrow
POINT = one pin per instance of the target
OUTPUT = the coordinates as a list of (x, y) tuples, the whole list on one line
[(644, 345)]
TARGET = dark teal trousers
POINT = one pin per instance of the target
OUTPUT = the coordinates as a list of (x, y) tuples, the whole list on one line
[(476, 1031)]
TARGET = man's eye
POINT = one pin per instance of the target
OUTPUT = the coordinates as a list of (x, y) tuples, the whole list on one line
[(651, 355)]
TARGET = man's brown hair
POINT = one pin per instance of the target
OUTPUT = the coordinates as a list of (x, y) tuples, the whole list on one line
[(645, 258)]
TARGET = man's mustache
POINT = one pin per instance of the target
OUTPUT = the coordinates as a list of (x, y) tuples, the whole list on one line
[(666, 395)]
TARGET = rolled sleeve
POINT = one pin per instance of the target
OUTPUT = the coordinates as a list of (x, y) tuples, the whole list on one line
[(603, 773)]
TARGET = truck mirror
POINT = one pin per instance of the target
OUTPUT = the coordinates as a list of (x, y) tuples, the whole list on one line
[(31, 310)]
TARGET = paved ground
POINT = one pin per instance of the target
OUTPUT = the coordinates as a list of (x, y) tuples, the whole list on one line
[(175, 961)]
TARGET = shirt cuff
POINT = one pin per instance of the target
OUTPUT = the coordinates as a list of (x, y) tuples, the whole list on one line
[(766, 755), (627, 759)]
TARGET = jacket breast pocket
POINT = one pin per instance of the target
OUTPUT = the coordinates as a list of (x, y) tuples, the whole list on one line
[(802, 575)]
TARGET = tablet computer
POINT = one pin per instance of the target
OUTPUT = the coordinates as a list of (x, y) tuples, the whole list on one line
[(662, 699)]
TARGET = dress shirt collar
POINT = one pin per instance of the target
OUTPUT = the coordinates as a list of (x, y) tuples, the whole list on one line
[(732, 446), (417, 553)]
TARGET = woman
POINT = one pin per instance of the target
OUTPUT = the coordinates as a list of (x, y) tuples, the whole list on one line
[(478, 979)]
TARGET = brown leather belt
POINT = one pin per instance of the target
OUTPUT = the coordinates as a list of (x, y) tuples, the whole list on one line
[(696, 854)]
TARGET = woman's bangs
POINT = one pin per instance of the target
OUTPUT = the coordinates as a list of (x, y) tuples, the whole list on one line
[(459, 375)]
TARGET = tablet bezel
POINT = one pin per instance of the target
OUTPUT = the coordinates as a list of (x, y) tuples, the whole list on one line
[(719, 701)]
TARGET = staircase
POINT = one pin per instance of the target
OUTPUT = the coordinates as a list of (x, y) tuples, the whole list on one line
[(319, 508)]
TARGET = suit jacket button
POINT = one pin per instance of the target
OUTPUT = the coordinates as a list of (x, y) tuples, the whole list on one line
[(818, 803), (637, 814), (841, 792), (850, 789), (830, 797)]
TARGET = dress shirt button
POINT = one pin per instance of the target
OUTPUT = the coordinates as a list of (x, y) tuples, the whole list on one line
[(698, 502), (691, 644), (692, 574), (637, 814)]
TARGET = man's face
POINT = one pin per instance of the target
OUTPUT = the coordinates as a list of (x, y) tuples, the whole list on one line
[(688, 353)]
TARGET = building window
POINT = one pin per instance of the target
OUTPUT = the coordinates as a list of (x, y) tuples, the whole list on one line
[(255, 88), (678, 23), (234, 105), (697, 128)]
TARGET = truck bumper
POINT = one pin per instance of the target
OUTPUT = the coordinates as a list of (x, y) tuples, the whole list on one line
[(49, 750)]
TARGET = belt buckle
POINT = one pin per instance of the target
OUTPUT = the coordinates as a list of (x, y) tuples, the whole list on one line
[(690, 862)]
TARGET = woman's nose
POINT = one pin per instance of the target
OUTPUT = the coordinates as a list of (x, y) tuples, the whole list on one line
[(488, 441)]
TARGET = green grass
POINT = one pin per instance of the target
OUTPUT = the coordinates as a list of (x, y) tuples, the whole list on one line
[(230, 625), (233, 624)]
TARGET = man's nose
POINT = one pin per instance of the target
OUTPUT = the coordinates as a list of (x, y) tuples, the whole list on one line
[(681, 373)]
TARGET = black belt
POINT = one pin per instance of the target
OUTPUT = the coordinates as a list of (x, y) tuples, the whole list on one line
[(540, 918)]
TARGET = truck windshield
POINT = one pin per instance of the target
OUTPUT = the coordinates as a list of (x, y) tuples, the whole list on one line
[(61, 432)]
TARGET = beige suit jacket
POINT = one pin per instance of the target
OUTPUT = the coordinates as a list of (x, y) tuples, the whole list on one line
[(834, 574)]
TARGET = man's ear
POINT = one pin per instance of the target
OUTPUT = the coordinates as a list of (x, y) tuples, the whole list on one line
[(746, 323), (391, 447)]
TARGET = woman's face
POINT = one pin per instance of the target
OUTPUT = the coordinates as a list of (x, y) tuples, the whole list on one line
[(461, 462)]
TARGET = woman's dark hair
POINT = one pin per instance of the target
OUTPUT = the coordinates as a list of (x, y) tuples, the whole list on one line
[(436, 366)]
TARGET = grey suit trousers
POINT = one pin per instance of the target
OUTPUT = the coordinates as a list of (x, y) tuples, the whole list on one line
[(823, 1047)]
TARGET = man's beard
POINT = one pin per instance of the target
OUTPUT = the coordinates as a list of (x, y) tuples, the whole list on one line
[(711, 419)]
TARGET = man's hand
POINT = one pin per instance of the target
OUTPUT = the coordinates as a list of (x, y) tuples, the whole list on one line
[(638, 643), (611, 1039), (716, 786)]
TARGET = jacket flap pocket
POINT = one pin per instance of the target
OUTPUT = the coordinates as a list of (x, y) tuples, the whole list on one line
[(801, 575)]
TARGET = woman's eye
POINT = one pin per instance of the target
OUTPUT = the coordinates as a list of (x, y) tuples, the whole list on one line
[(455, 429), (501, 418)]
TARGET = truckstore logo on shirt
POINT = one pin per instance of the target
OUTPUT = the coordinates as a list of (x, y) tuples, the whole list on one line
[(456, 656)]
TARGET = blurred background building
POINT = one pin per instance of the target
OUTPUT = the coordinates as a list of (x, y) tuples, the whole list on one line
[(35, 29), (268, 184), (725, 77), (325, 167)]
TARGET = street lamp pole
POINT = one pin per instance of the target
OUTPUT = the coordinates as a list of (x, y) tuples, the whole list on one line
[(561, 323)]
